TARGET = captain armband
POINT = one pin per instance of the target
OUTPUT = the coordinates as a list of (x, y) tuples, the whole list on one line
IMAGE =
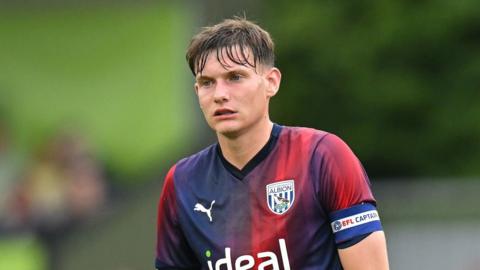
[(354, 221)]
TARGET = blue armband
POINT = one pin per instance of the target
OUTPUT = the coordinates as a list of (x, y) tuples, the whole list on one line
[(354, 221)]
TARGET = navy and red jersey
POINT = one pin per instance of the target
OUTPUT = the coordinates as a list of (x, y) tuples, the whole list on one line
[(303, 196)]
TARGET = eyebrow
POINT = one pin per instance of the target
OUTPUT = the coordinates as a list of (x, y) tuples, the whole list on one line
[(228, 72), (203, 77)]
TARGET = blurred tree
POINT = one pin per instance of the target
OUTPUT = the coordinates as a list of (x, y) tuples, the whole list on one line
[(397, 80)]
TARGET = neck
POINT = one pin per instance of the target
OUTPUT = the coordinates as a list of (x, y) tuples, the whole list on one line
[(239, 150)]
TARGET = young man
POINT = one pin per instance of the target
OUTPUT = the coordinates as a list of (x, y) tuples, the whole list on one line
[(265, 196)]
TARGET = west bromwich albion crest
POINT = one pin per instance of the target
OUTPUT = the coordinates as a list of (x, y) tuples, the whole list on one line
[(280, 196)]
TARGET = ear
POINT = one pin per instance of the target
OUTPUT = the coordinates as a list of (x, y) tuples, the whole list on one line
[(195, 87), (273, 76)]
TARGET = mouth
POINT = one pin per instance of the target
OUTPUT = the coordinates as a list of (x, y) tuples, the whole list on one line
[(222, 112)]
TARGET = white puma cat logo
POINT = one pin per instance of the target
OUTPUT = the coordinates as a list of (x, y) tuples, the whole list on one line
[(201, 208)]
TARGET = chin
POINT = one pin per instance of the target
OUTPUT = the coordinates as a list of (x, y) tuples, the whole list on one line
[(227, 129)]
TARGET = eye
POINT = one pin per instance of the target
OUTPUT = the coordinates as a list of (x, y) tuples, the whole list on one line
[(235, 77), (205, 83)]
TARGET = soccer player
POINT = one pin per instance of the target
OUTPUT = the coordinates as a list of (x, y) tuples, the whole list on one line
[(266, 196)]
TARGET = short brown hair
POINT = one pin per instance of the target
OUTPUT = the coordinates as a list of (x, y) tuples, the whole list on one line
[(230, 39)]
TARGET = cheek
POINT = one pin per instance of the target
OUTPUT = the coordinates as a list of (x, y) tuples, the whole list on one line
[(259, 95), (202, 100), (203, 107)]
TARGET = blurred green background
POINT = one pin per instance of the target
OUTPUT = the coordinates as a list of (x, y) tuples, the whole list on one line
[(113, 72), (397, 80)]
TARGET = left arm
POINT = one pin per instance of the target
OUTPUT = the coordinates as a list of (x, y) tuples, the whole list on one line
[(368, 254), (345, 192)]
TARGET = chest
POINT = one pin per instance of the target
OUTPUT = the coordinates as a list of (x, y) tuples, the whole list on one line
[(264, 212)]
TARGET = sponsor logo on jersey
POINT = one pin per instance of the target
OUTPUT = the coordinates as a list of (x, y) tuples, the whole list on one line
[(354, 220), (280, 196), (269, 260), (200, 208)]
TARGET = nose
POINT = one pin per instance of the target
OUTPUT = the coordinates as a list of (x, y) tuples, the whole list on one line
[(221, 93)]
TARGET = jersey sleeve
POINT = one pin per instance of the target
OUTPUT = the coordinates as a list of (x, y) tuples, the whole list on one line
[(344, 192), (173, 251)]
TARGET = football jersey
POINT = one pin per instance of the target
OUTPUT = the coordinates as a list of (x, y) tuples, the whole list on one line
[(304, 194)]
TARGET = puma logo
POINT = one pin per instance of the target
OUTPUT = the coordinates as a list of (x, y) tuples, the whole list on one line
[(201, 208)]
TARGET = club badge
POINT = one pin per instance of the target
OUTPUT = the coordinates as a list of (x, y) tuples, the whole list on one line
[(280, 196)]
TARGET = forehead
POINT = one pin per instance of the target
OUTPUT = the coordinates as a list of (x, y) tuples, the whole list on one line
[(225, 59)]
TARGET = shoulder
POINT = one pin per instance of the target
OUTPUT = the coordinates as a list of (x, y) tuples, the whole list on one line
[(332, 146), (325, 145), (194, 163), (324, 138), (302, 135), (321, 141)]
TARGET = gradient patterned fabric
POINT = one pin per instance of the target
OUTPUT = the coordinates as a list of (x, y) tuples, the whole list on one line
[(300, 197)]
